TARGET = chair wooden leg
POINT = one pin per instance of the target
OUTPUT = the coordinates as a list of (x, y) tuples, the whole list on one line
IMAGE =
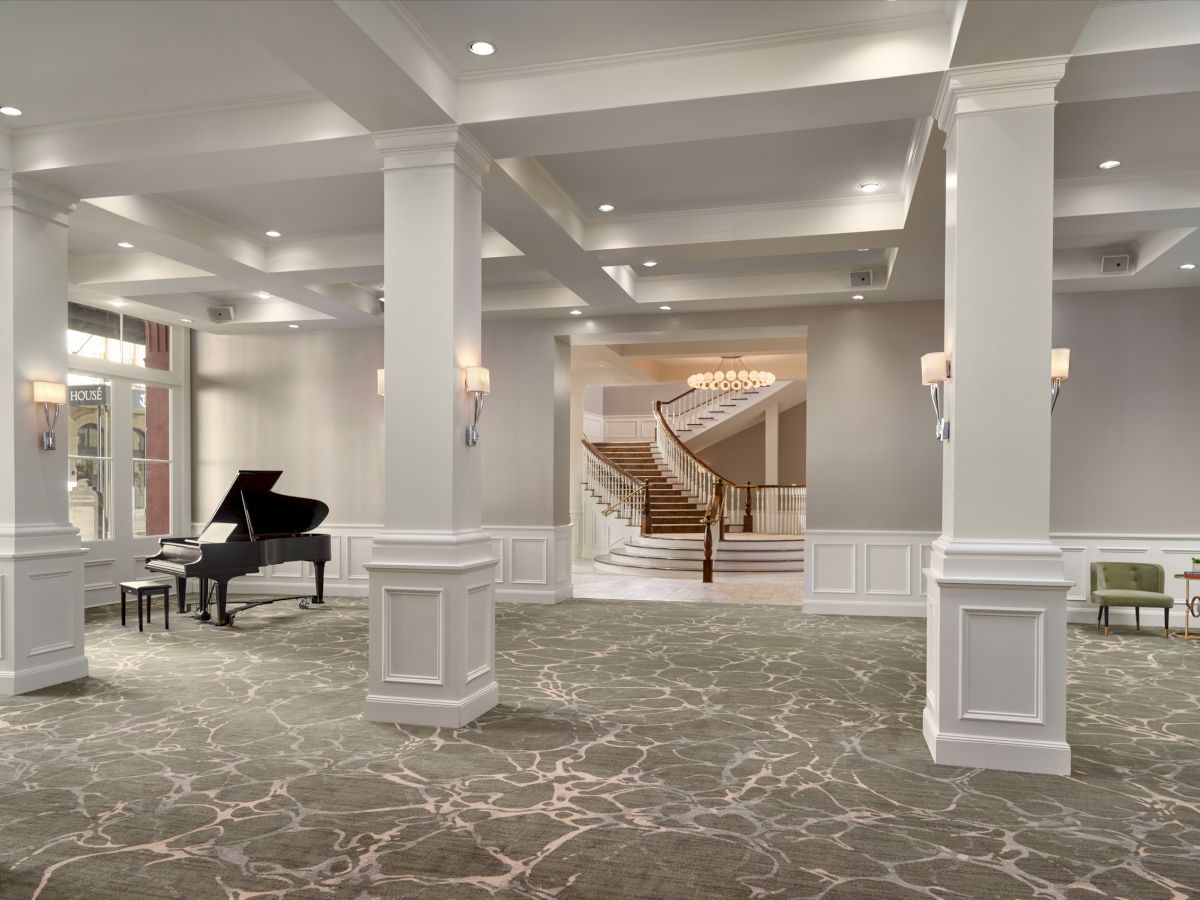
[(1167, 621), (1106, 631), (1137, 617), (1099, 616)]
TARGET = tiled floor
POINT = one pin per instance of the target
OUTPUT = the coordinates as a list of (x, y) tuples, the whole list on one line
[(759, 588)]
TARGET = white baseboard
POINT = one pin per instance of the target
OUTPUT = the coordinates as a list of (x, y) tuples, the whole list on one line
[(1006, 754), (38, 677), (437, 713)]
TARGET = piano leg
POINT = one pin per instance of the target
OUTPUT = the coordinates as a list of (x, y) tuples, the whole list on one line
[(181, 586), (205, 615), (320, 572), (222, 596)]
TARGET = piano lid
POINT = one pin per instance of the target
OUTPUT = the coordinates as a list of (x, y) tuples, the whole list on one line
[(250, 509)]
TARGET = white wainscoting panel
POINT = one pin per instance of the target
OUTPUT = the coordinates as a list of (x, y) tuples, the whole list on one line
[(479, 631), (628, 428), (862, 572), (410, 617), (51, 608), (535, 562), (888, 569), (834, 565), (1008, 640)]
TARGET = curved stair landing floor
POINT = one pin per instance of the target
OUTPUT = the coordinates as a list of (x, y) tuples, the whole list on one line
[(682, 556), (743, 588)]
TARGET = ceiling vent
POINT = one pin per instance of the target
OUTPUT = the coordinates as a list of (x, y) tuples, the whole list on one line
[(1117, 264), (220, 314), (865, 278)]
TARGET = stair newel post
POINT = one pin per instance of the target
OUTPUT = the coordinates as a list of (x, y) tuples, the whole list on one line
[(708, 549), (647, 528), (719, 489), (748, 516)]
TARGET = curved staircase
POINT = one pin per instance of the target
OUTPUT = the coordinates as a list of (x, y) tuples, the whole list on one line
[(693, 522)]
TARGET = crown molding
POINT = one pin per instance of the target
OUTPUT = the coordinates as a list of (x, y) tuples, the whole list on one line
[(433, 145), (735, 45), (992, 87), (428, 44), (28, 195)]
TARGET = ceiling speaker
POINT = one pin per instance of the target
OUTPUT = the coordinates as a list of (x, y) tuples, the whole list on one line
[(1115, 265), (865, 278), (220, 314)]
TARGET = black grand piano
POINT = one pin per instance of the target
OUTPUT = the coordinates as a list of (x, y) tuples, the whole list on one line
[(253, 527)]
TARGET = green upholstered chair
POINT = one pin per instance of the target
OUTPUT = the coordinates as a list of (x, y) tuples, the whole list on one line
[(1130, 584)]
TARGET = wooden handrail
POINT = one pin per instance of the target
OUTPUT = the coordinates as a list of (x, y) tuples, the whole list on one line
[(599, 454), (662, 421)]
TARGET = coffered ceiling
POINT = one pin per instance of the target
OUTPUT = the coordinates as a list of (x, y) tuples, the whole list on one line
[(730, 137)]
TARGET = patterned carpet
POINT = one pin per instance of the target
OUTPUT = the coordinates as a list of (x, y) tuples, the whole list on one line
[(665, 751)]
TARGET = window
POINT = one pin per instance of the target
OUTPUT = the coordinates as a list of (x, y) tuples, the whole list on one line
[(102, 334), (151, 460), (89, 456)]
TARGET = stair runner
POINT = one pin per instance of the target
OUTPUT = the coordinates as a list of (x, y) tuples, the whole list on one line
[(673, 511)]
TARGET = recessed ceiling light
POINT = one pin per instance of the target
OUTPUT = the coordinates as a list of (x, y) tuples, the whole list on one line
[(857, 297), (9, 111), (293, 325), (864, 249), (186, 321), (1109, 164), (118, 302), (125, 245), (577, 312), (273, 233), (606, 207), (650, 263), (1188, 266), (665, 308), (262, 295), (869, 187), (383, 299), (482, 48)]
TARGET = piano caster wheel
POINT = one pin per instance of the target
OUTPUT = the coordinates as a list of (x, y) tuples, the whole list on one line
[(205, 616), (304, 604)]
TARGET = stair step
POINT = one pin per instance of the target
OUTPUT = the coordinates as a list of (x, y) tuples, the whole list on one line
[(615, 558)]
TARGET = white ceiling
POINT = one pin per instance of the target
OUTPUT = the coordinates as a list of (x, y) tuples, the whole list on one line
[(72, 60), (313, 208), (823, 164), (534, 32), (190, 127)]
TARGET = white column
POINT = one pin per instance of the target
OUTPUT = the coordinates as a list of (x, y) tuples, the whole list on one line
[(996, 678), (432, 624), (771, 443), (41, 561)]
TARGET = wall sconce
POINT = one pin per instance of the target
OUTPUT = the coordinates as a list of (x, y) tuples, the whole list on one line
[(49, 393), (379, 373), (479, 383), (1060, 371), (935, 372)]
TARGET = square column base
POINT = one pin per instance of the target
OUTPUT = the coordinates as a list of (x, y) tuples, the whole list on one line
[(996, 672), (432, 628), (41, 609)]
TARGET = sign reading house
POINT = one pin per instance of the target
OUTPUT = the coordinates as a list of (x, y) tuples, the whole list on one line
[(88, 395)]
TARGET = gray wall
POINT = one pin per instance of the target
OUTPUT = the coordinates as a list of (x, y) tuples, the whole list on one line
[(793, 444), (1127, 426), (742, 456), (525, 430), (872, 463), (305, 403), (638, 399)]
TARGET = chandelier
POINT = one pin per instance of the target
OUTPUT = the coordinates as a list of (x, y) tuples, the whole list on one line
[(730, 375)]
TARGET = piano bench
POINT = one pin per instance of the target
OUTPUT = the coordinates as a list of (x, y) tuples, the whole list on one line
[(145, 591)]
